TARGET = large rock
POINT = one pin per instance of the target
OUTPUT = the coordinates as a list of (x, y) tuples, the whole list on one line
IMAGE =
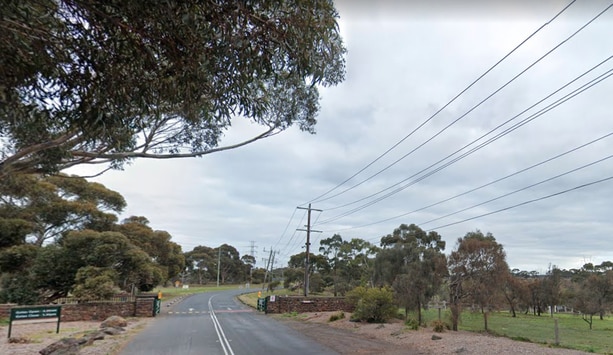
[(114, 322), (66, 346)]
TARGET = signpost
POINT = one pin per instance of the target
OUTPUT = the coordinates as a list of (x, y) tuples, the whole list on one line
[(29, 313)]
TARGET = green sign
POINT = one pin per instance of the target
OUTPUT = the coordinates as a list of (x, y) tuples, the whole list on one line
[(26, 313), (35, 312)]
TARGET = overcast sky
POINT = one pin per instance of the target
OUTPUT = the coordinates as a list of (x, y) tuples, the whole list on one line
[(406, 61)]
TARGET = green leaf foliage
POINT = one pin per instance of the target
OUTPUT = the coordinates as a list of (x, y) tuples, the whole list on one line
[(41, 208), (95, 283), (106, 81), (373, 305)]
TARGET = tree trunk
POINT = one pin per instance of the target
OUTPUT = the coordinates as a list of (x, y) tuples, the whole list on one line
[(419, 312), (455, 316), (335, 281), (485, 320)]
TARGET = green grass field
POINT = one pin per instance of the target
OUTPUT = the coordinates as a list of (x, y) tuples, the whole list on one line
[(573, 332)]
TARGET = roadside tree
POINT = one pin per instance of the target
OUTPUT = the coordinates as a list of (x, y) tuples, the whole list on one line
[(477, 269), (52, 205), (157, 244), (413, 263), (86, 82)]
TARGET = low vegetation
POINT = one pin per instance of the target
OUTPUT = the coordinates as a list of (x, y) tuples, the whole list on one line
[(373, 305), (336, 316), (573, 333)]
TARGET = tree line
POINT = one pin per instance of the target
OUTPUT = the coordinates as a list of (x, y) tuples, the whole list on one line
[(411, 265), (60, 236)]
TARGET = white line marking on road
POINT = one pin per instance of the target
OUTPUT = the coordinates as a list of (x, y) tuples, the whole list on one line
[(225, 344)]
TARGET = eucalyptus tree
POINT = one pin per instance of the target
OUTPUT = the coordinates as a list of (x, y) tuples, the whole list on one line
[(92, 81), (204, 262), (412, 261), (201, 264), (157, 244), (331, 248), (49, 206), (594, 290), (350, 262), (477, 271)]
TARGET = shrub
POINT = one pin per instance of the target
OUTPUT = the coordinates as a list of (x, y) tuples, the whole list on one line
[(412, 324), (272, 285), (355, 295), (336, 316), (439, 326), (374, 305)]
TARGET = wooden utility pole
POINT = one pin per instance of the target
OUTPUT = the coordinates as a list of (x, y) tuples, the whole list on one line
[(308, 243), (218, 265)]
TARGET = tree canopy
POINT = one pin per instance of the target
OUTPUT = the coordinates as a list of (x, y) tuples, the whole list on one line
[(86, 81), (477, 269), (59, 236), (413, 263), (42, 208)]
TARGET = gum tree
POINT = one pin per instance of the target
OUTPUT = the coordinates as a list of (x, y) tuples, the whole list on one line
[(413, 263), (477, 269), (91, 81)]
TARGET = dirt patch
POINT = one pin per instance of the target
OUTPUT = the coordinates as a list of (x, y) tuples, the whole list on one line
[(394, 338), (30, 338)]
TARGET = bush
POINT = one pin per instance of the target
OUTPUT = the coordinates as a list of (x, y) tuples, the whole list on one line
[(374, 305), (412, 324), (336, 316), (355, 295), (272, 285), (316, 283), (439, 326)]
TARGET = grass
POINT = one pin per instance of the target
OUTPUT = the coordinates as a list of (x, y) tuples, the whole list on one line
[(573, 332), (169, 293), (251, 299)]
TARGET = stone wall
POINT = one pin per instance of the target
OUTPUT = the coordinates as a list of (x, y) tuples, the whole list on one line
[(97, 311), (288, 304)]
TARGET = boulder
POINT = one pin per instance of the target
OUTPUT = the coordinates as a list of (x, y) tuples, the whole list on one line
[(66, 346), (112, 331), (114, 322)]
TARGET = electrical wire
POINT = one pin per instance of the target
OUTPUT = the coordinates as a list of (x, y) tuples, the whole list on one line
[(285, 230), (524, 203), (523, 122), (319, 198), (476, 106), (541, 112), (484, 185), (519, 190)]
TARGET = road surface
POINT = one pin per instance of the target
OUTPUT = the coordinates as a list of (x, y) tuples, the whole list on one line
[(217, 324)]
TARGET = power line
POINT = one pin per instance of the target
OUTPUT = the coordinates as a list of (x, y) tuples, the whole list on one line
[(484, 185), (525, 203), (295, 232), (539, 113), (286, 227), (490, 140), (319, 198), (475, 106), (522, 189)]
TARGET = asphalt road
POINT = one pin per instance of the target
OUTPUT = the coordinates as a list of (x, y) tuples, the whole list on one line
[(217, 324)]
